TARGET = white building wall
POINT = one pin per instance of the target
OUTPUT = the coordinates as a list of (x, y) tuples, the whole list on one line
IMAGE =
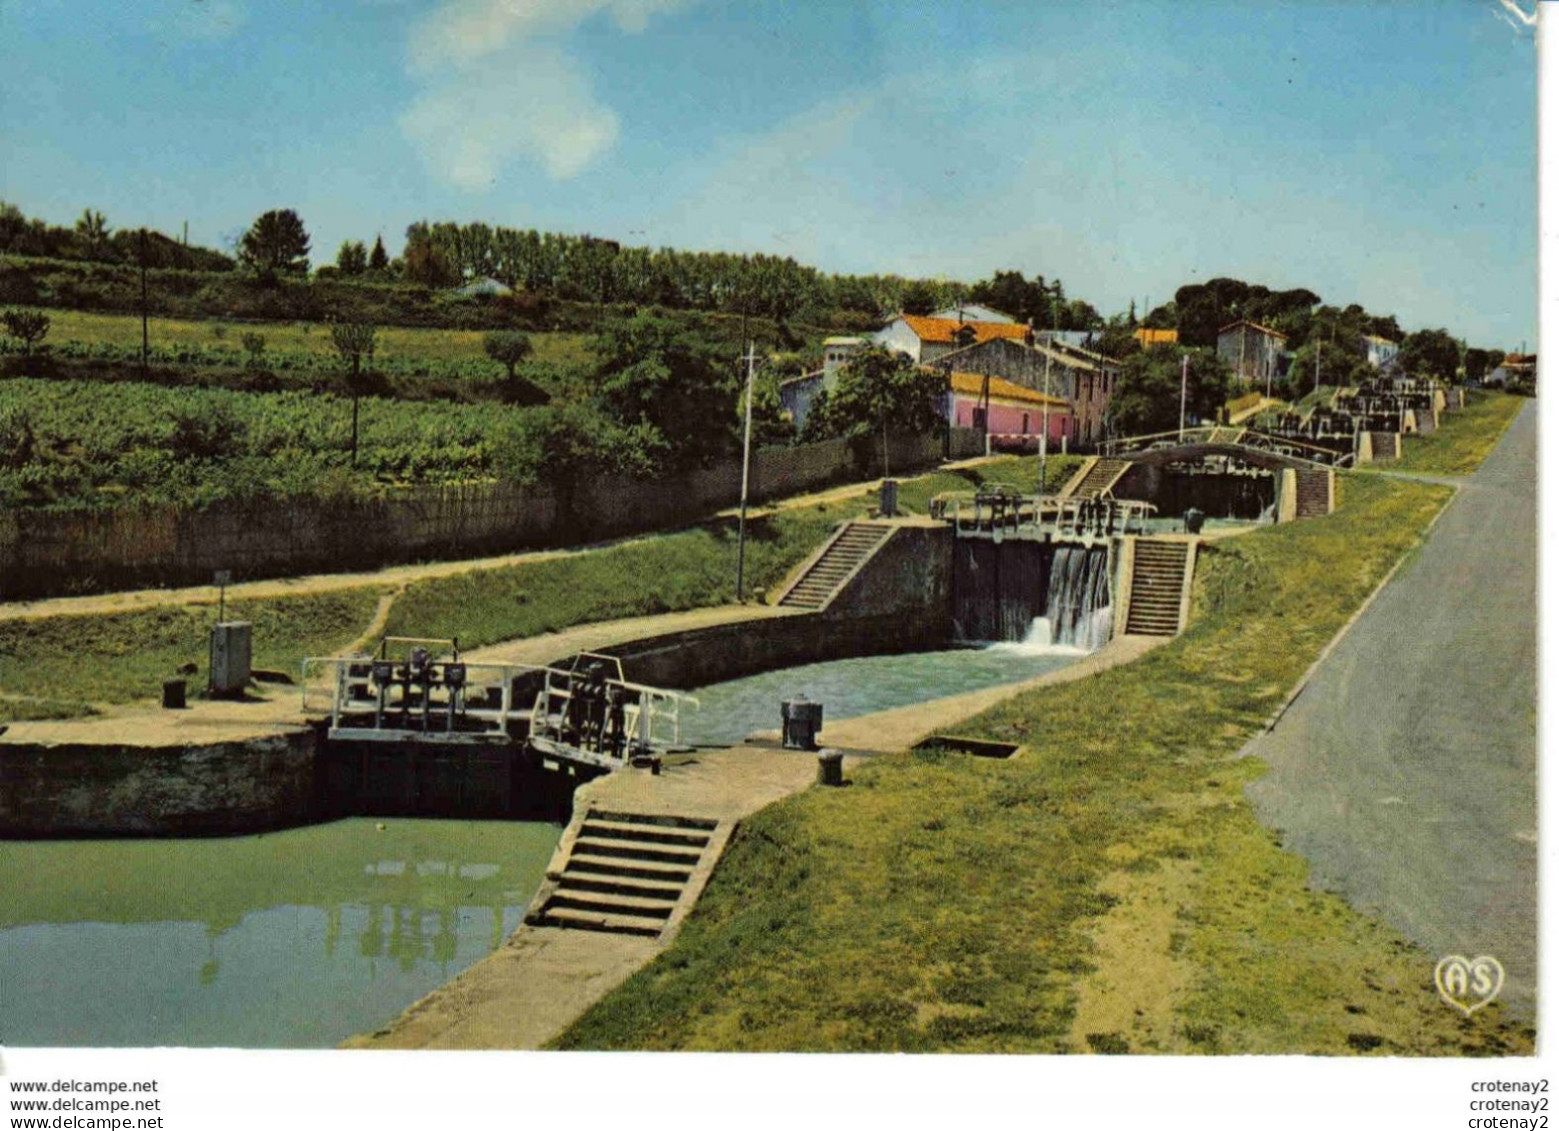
[(899, 338)]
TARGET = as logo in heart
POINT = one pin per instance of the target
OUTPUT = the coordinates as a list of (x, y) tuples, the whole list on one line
[(1469, 983)]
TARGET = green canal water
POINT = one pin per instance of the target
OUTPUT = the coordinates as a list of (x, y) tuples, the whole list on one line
[(294, 939), (729, 712)]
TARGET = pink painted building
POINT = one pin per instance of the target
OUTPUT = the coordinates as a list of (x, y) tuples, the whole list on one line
[(1012, 415)]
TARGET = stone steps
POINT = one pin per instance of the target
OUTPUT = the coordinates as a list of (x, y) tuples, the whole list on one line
[(1158, 579), (625, 873), (1100, 477), (856, 542), (1312, 493)]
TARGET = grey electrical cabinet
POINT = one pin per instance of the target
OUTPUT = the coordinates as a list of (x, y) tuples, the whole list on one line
[(231, 644)]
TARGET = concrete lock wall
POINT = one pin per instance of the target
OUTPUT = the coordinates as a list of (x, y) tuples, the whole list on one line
[(72, 790), (901, 601), (50, 553)]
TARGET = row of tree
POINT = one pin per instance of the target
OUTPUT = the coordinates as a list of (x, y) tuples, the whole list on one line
[(587, 269), (91, 238)]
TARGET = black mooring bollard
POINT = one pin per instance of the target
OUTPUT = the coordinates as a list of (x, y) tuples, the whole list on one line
[(830, 767), (173, 694)]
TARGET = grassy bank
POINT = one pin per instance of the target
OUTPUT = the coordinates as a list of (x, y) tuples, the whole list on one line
[(51, 667), (1458, 446), (1109, 890)]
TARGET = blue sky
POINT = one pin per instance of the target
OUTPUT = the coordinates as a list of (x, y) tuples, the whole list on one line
[(1380, 153)]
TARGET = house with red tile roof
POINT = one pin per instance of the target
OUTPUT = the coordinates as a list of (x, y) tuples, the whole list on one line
[(925, 339), (1083, 379), (1012, 415), (1147, 337)]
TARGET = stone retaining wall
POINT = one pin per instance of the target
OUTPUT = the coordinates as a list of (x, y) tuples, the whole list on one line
[(78, 790)]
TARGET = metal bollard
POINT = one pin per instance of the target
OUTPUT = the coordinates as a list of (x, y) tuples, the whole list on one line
[(800, 720), (888, 498), (830, 767)]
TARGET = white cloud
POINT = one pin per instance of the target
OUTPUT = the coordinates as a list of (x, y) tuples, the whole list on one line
[(459, 31), (501, 85), (531, 102)]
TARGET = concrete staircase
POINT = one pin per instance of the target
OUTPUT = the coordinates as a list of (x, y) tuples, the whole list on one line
[(1313, 492), (1096, 478), (839, 560), (627, 873), (1160, 579)]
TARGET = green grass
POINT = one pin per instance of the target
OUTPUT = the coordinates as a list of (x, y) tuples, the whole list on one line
[(393, 343), (68, 661), (1318, 396), (948, 903), (670, 573), (1463, 439)]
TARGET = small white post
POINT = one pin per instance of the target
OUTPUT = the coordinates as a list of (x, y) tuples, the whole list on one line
[(741, 522)]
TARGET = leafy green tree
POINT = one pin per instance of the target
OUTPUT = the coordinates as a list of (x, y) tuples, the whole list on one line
[(1147, 398), (254, 346), (566, 446), (92, 229), (920, 297), (1118, 339), (1010, 293), (1431, 353), (879, 393), (352, 258), (378, 258), (354, 341), (426, 261), (653, 373), (1079, 315), (509, 349), (276, 243), (1478, 363), (27, 326)]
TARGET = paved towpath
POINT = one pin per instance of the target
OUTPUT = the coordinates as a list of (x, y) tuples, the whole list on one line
[(1406, 770)]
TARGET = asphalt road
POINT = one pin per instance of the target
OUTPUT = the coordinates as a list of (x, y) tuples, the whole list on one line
[(1406, 772)]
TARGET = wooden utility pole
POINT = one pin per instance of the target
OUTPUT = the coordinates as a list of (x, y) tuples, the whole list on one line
[(741, 521), (1185, 369), (145, 336)]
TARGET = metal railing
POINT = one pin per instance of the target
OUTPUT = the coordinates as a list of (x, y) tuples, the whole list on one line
[(1127, 446), (997, 513), (572, 713)]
